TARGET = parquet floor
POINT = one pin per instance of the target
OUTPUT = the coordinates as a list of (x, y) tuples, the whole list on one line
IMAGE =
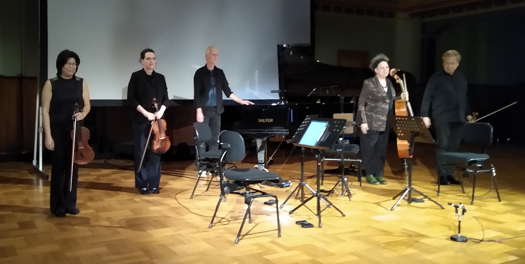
[(117, 225)]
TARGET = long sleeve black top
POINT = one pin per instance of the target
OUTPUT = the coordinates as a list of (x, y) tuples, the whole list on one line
[(445, 97), (202, 85), (142, 88)]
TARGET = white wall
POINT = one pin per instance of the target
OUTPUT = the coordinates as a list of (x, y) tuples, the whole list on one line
[(109, 35)]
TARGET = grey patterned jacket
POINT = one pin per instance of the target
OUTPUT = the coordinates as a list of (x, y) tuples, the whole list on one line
[(374, 104)]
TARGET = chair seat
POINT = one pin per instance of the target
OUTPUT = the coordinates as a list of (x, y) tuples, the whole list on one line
[(464, 158), (210, 155), (345, 149), (250, 175)]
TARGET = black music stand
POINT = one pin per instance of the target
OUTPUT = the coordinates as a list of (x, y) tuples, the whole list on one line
[(409, 128), (317, 134)]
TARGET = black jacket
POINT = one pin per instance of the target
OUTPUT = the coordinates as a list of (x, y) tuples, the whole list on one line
[(445, 98), (142, 88), (201, 86)]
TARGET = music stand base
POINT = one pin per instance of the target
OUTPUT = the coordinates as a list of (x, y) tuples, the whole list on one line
[(408, 191), (459, 238)]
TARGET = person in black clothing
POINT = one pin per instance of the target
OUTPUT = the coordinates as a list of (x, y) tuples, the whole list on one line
[(144, 86), (209, 82), (445, 103), (59, 96)]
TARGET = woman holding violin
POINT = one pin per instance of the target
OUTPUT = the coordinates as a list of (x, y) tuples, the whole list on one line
[(148, 97), (59, 97), (374, 109)]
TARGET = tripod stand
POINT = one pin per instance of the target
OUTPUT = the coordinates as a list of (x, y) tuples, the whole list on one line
[(317, 194), (408, 128), (299, 189)]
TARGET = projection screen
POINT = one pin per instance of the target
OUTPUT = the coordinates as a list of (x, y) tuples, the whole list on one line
[(108, 35)]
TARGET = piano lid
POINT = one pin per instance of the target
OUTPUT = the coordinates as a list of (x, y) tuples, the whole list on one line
[(301, 76)]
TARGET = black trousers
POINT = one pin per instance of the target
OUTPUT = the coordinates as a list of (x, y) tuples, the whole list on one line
[(373, 151), (448, 135), (149, 175), (213, 118), (61, 199)]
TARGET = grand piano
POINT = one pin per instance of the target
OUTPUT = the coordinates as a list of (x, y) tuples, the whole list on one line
[(306, 87)]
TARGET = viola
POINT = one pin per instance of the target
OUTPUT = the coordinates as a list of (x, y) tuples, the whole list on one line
[(82, 152), (402, 108)]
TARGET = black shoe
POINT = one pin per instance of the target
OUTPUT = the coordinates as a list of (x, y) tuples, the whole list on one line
[(155, 190), (143, 190), (443, 181), (73, 211), (59, 213), (451, 180)]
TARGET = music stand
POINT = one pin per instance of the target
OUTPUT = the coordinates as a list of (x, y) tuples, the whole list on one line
[(317, 134), (409, 128)]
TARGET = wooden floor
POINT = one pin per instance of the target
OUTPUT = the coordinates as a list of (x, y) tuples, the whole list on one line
[(117, 225)]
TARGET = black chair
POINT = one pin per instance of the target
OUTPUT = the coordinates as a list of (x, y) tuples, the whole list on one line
[(238, 180), (345, 153), (207, 160), (477, 135)]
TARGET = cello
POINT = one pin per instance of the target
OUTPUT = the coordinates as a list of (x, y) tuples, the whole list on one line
[(402, 108)]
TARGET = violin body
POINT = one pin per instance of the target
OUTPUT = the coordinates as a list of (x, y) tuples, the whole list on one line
[(160, 142), (84, 154)]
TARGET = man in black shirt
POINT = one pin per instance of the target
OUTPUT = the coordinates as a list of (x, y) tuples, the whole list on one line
[(143, 87), (445, 102), (209, 83)]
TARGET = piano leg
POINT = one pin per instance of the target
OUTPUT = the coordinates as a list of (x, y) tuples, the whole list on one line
[(261, 152)]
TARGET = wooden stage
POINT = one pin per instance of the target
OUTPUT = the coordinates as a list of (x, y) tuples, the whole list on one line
[(117, 225)]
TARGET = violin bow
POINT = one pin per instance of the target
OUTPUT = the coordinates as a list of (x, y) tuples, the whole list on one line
[(147, 141), (73, 147), (491, 113)]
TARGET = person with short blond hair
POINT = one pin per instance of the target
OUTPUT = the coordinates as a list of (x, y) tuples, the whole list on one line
[(444, 107), (209, 83)]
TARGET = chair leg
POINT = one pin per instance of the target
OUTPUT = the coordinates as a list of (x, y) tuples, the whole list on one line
[(196, 184), (216, 209), (238, 237), (278, 219), (474, 178), (209, 182), (493, 171), (439, 185)]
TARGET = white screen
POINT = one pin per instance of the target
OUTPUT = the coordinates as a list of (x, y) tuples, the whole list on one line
[(108, 35)]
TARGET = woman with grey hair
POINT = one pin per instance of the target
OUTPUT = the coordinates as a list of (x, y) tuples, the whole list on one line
[(374, 108)]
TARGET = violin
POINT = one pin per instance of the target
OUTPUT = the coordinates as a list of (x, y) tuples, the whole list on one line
[(161, 142), (81, 152), (402, 108)]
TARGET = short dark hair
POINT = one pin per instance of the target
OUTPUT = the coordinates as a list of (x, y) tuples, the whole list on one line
[(144, 51), (62, 59)]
